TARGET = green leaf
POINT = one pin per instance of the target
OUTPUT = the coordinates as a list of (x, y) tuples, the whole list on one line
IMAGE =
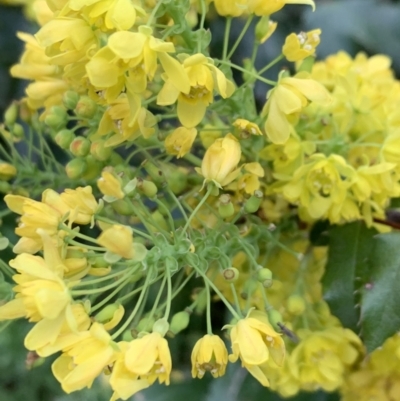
[(349, 248), (380, 312)]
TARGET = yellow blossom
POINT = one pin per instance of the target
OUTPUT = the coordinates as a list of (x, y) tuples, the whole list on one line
[(250, 180), (118, 239), (82, 362), (209, 135), (254, 340), (180, 141), (204, 79), (286, 100), (110, 185), (268, 7), (7, 171), (209, 354), (220, 161), (149, 358), (298, 47), (231, 8), (246, 128)]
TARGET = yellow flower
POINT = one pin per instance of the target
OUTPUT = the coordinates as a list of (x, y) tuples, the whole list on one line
[(220, 161), (246, 127), (320, 187), (250, 180), (180, 141), (254, 340), (298, 47), (231, 8), (204, 79), (149, 358), (286, 100), (7, 171), (110, 185), (118, 239), (82, 362), (209, 354), (267, 7), (209, 135), (123, 381)]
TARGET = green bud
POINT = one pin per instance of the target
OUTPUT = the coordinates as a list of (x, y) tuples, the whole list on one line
[(147, 187), (307, 64), (253, 203), (18, 131), (154, 172), (98, 261), (127, 336), (57, 118), (177, 181), (64, 138), (262, 28), (123, 207), (159, 219), (80, 146), (274, 318), (75, 168), (225, 208), (25, 113), (99, 151), (161, 326), (248, 288), (93, 168), (5, 187), (107, 313), (86, 107), (264, 276), (145, 324), (70, 99), (231, 274), (296, 304), (75, 254), (11, 114), (179, 322)]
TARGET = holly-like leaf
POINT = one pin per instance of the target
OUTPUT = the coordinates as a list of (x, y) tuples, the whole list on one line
[(349, 248), (380, 306)]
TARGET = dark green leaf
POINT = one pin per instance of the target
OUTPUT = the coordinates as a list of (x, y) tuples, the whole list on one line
[(349, 248), (380, 312)]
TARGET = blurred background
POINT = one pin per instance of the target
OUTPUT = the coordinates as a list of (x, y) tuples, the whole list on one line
[(371, 26)]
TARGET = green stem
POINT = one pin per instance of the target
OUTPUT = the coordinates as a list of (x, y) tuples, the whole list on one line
[(180, 207), (235, 298), (157, 300), (107, 298), (227, 32), (203, 18), (133, 313), (209, 325), (240, 37), (101, 279), (168, 213), (272, 63), (169, 295), (193, 159)]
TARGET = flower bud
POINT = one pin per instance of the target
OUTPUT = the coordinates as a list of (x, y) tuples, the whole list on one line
[(264, 276), (161, 326), (86, 107), (296, 304), (11, 114), (110, 185), (7, 171), (5, 187), (265, 28), (18, 131), (64, 138), (231, 274), (307, 64), (179, 322), (70, 99), (154, 172), (148, 188), (75, 168), (225, 208), (107, 313), (98, 262), (248, 288), (25, 113), (123, 207), (220, 161), (177, 181), (57, 118), (159, 219), (180, 141), (253, 203), (99, 151), (274, 318), (145, 324), (80, 147), (93, 168)]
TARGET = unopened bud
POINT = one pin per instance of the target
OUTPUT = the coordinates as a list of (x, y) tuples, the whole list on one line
[(161, 326), (7, 171), (225, 208), (93, 168), (98, 261), (253, 203), (76, 168), (18, 131), (248, 288), (264, 276), (160, 221), (107, 313), (70, 99), (177, 181), (264, 28), (86, 107), (231, 274), (11, 114), (274, 318), (307, 64), (99, 151), (145, 324), (154, 172), (296, 304), (148, 188), (64, 138), (57, 118), (123, 207), (179, 322), (80, 147), (5, 187)]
